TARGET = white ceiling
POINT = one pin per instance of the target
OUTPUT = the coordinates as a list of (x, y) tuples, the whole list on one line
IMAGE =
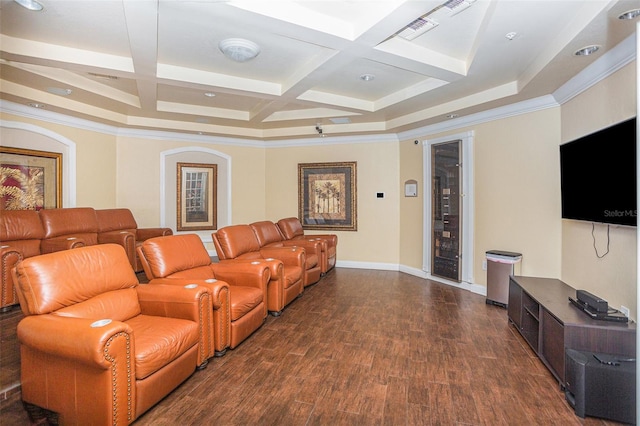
[(147, 63)]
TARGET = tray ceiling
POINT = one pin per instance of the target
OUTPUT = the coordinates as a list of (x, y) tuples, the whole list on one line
[(149, 63)]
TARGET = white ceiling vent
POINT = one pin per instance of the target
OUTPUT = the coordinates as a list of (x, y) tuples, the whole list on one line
[(457, 6), (424, 24), (417, 27)]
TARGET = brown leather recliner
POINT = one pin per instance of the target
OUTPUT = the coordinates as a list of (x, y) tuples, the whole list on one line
[(96, 347), (269, 235), (120, 227), (240, 290), (20, 236), (291, 229), (238, 243), (68, 228)]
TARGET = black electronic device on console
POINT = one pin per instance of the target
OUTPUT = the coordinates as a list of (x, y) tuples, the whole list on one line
[(596, 307), (596, 303)]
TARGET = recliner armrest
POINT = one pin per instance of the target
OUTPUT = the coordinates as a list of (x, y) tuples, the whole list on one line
[(146, 233), (331, 239), (294, 256), (219, 289), (9, 256), (126, 239), (174, 301), (51, 245), (71, 338), (315, 246), (116, 237), (250, 273)]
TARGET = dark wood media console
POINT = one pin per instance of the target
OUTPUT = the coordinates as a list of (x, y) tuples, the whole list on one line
[(541, 311)]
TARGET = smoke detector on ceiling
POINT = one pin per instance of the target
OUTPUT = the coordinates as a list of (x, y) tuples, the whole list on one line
[(239, 49)]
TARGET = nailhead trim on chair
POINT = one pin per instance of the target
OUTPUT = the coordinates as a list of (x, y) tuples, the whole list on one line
[(223, 331), (208, 312), (114, 384), (4, 296)]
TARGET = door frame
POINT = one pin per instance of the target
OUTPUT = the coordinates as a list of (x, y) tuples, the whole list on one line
[(467, 206)]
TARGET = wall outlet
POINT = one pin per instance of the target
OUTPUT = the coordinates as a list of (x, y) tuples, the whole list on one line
[(484, 265), (625, 311)]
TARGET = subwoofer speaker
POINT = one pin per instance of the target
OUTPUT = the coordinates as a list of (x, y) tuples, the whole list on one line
[(601, 386)]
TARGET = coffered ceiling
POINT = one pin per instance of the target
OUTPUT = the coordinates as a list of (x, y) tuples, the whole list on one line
[(150, 64)]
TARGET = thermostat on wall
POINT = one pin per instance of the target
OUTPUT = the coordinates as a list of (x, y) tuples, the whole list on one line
[(411, 188)]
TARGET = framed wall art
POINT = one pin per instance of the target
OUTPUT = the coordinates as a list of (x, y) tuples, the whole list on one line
[(196, 197), (327, 196), (30, 179)]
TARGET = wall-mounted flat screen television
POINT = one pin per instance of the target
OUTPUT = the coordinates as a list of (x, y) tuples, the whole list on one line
[(598, 176)]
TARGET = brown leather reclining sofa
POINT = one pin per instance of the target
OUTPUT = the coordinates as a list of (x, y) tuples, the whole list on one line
[(239, 290), (27, 233), (242, 242), (291, 229), (238, 244)]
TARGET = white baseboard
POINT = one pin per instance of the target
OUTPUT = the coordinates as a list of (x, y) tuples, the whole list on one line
[(367, 265), (474, 288)]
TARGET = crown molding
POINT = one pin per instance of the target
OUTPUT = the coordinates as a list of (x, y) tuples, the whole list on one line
[(333, 140), (55, 118), (188, 137), (611, 61), (519, 108)]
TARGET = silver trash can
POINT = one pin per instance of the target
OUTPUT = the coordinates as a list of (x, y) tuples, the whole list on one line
[(500, 266)]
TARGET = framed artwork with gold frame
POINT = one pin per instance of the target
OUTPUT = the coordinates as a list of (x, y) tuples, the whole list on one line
[(30, 179), (327, 196), (197, 197)]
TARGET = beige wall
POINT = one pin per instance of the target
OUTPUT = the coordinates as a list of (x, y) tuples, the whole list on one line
[(516, 181), (377, 237), (614, 276), (517, 191), (411, 208), (95, 159), (140, 163)]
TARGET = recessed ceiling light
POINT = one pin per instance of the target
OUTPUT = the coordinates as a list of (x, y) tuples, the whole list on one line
[(209, 94), (36, 105), (239, 49), (588, 50), (367, 77), (30, 4), (630, 14), (59, 91), (452, 116)]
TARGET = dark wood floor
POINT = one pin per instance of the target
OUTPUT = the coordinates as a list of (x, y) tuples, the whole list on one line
[(362, 348)]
